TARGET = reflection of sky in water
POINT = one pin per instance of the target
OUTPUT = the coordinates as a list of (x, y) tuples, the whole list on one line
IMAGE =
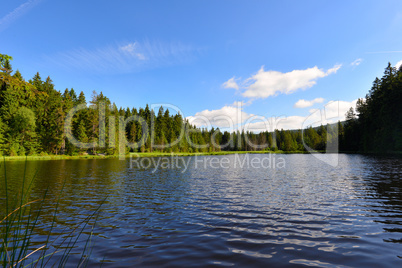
[(308, 213)]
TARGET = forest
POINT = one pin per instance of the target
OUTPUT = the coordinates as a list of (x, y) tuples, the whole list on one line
[(33, 115)]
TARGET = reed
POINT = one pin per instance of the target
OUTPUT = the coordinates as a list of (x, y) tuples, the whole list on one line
[(21, 245)]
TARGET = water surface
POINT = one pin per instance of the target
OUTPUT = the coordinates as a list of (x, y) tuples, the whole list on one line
[(305, 213)]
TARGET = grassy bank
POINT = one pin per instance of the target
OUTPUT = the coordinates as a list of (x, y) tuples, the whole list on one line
[(151, 154), (54, 157), (160, 154)]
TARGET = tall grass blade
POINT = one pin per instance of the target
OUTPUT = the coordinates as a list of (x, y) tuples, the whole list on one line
[(18, 226)]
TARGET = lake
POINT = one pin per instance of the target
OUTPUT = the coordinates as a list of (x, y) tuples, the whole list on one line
[(228, 210)]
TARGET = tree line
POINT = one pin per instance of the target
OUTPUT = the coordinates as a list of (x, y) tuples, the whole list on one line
[(33, 116), (375, 125)]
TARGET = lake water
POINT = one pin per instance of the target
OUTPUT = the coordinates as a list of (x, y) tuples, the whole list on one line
[(302, 212)]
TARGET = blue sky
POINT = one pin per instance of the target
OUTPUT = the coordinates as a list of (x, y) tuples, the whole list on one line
[(278, 58)]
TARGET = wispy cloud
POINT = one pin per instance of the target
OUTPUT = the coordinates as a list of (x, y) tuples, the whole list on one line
[(356, 62), (270, 83), (126, 57), (16, 13), (131, 49), (305, 103), (231, 83)]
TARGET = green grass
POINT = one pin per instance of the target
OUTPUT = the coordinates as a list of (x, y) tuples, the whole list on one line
[(55, 157), (158, 154), (19, 217), (148, 154)]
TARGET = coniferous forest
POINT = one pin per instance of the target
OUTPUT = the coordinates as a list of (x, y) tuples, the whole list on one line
[(33, 115)]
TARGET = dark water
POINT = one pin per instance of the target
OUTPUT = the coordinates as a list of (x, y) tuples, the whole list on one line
[(302, 213)]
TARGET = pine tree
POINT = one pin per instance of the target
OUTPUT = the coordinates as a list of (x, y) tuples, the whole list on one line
[(37, 82), (82, 135), (73, 96), (50, 127), (23, 130), (81, 98), (18, 75)]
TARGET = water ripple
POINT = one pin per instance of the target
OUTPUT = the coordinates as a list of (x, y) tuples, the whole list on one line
[(308, 214)]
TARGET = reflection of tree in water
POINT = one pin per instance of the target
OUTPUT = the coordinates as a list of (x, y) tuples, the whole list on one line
[(58, 207), (81, 185), (385, 178)]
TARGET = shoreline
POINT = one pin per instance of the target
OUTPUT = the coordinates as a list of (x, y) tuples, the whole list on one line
[(148, 154), (161, 154)]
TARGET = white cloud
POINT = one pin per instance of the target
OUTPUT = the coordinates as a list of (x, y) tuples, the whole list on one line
[(338, 109), (125, 58), (270, 83), (231, 83), (16, 13), (331, 112), (356, 62), (305, 103), (228, 116), (398, 64)]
